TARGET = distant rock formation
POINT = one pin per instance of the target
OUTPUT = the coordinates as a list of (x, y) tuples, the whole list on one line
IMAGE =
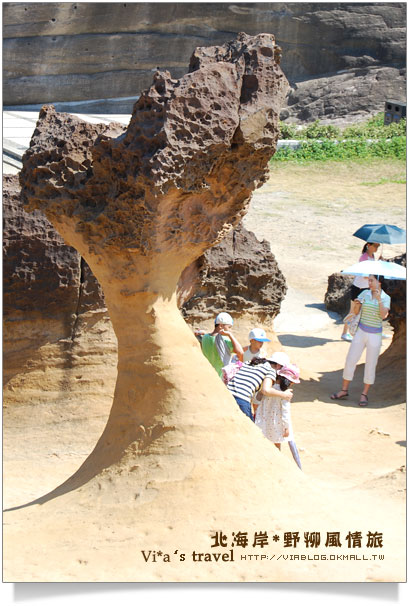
[(54, 315), (112, 49), (345, 97), (337, 297)]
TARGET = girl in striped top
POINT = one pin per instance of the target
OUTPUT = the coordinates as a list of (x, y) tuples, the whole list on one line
[(374, 304), (260, 373)]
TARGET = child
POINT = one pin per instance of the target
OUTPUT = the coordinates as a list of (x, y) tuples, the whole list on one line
[(273, 415), (219, 345), (257, 338)]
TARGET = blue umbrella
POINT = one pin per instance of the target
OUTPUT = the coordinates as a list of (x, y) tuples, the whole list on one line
[(381, 233)]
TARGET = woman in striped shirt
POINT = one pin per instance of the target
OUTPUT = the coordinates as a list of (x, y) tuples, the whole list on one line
[(374, 305), (260, 373)]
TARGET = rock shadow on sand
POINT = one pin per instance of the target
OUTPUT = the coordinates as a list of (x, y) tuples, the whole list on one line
[(383, 394)]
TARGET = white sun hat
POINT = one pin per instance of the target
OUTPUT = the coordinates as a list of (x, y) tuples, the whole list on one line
[(279, 357), (258, 334), (224, 318)]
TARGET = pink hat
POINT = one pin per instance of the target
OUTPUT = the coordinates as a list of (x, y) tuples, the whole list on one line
[(291, 372)]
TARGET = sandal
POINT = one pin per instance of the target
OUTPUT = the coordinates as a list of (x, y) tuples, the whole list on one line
[(335, 395), (363, 400)]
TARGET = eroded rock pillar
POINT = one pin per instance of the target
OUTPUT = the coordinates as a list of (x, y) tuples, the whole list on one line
[(140, 204)]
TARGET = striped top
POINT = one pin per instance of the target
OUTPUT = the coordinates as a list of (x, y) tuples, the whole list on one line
[(249, 379), (370, 319)]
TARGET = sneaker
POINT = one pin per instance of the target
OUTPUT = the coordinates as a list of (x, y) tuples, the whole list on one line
[(346, 337)]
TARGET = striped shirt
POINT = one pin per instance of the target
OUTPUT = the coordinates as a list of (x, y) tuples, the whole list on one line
[(370, 320), (249, 379)]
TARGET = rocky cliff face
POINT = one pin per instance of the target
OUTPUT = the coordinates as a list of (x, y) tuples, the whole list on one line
[(73, 52)]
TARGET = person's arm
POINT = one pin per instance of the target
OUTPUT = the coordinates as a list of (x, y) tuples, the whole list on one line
[(286, 418), (356, 307), (384, 311), (268, 390), (237, 348)]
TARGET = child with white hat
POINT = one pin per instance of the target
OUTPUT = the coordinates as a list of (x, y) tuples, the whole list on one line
[(257, 338), (219, 345)]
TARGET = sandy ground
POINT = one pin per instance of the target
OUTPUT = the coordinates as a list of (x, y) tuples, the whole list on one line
[(357, 454)]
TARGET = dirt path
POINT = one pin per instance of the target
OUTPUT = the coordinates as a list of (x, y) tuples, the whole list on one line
[(308, 213)]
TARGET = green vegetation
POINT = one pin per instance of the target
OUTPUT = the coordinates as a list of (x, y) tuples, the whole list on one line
[(327, 142), (400, 179)]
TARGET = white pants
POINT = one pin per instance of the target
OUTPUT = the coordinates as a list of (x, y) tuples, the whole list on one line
[(372, 341)]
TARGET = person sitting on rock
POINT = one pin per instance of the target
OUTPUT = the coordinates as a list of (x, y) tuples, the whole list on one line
[(219, 345)]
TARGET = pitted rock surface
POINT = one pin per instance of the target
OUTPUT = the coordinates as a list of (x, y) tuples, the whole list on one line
[(397, 290), (337, 297), (182, 173), (239, 274), (40, 272)]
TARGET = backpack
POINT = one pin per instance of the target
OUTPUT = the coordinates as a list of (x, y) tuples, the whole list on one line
[(229, 370)]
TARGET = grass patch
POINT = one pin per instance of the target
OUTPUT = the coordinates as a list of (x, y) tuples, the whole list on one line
[(373, 128), (315, 151), (384, 180), (320, 143)]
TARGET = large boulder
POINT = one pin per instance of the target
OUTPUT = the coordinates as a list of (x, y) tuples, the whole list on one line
[(348, 96), (337, 297), (239, 274), (54, 314)]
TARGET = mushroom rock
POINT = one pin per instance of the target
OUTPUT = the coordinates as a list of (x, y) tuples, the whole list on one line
[(177, 460), (140, 204), (55, 315)]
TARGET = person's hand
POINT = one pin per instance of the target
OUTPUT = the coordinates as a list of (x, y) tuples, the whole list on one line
[(286, 432), (224, 332), (287, 394), (199, 331)]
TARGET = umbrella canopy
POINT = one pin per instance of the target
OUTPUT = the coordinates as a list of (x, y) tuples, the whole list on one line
[(391, 271), (382, 233)]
